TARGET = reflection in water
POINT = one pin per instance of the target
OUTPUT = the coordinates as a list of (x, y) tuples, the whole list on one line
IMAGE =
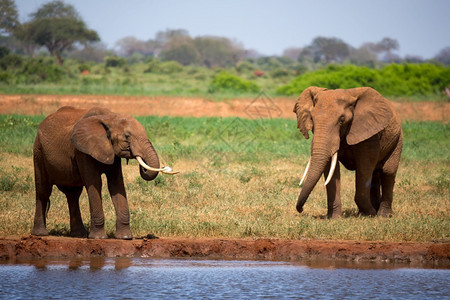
[(141, 278)]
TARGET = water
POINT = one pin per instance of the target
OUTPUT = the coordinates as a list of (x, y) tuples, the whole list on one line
[(130, 278)]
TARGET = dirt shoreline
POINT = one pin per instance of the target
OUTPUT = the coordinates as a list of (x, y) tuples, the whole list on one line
[(259, 107), (324, 252)]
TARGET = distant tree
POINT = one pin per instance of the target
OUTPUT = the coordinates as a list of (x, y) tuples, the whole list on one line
[(95, 52), (8, 16), (218, 51), (58, 27), (363, 56), (443, 56), (293, 53), (329, 49), (387, 45), (129, 45), (185, 54), (414, 59)]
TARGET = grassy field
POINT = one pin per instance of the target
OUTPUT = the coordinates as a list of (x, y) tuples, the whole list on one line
[(239, 180)]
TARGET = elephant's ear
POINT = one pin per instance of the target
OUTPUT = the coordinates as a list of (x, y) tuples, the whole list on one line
[(90, 136), (304, 107), (371, 115)]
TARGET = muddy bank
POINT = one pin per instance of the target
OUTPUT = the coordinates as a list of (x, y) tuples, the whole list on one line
[(259, 107), (409, 254)]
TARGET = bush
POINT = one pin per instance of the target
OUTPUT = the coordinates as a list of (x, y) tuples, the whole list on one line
[(114, 61), (11, 61), (392, 80), (166, 67), (225, 81), (38, 70)]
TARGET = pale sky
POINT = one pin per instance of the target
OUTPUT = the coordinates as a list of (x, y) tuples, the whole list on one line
[(422, 27)]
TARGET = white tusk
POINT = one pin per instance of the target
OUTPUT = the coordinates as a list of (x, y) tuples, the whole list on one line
[(333, 166), (166, 170), (306, 172)]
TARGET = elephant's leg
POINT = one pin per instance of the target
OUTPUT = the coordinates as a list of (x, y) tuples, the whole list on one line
[(43, 191), (334, 193), (375, 194), (73, 200), (362, 195), (117, 191), (90, 171), (387, 187)]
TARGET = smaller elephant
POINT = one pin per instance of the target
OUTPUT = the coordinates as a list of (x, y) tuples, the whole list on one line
[(73, 148), (360, 129)]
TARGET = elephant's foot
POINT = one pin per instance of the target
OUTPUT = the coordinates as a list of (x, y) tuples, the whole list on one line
[(387, 213), (79, 233), (40, 231), (124, 234), (334, 216), (98, 234)]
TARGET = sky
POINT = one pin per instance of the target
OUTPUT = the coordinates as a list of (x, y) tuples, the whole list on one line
[(422, 27)]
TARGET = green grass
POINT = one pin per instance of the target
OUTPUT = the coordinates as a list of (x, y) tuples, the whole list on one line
[(240, 180)]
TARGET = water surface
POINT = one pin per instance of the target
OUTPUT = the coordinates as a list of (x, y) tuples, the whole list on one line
[(130, 278)]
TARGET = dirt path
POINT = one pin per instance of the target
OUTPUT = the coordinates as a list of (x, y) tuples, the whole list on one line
[(324, 253), (259, 107)]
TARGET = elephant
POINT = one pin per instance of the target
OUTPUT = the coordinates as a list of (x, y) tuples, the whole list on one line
[(72, 149), (359, 128)]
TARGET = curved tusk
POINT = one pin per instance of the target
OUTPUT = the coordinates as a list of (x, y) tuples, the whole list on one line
[(305, 173), (333, 166), (165, 170)]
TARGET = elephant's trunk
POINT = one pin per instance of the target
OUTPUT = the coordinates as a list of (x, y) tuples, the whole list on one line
[(320, 157), (150, 158)]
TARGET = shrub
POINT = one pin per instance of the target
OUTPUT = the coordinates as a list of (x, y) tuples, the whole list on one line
[(225, 81), (166, 67), (392, 80), (11, 61), (114, 61), (38, 70)]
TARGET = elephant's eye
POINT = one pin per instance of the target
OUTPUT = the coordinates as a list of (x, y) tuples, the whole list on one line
[(127, 135), (341, 120)]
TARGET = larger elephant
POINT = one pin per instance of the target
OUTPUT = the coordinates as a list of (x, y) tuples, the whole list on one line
[(73, 148), (359, 128)]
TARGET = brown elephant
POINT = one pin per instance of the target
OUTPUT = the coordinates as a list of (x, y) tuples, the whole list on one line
[(359, 128), (73, 148)]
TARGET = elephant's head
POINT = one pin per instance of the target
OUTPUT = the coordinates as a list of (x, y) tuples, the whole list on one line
[(352, 115), (104, 135)]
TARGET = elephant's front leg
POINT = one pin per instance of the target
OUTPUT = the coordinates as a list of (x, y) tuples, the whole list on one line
[(90, 173), (117, 191), (334, 193), (362, 194)]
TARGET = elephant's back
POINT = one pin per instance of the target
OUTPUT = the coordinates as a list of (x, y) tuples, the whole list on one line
[(53, 146)]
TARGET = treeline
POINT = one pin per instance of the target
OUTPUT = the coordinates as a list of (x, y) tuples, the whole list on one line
[(212, 64)]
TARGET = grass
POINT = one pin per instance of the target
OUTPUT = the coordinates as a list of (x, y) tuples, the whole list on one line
[(239, 180)]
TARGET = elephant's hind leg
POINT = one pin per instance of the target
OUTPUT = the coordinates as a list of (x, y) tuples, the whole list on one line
[(43, 192), (73, 200)]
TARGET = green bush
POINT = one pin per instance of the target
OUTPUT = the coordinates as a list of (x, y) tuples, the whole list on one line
[(39, 70), (165, 67), (114, 61), (11, 61), (392, 80), (225, 81)]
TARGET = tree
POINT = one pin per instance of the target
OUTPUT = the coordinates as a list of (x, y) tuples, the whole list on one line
[(58, 27), (443, 56), (329, 49), (386, 45), (8, 16)]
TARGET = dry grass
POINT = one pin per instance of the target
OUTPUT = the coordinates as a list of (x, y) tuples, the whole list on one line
[(241, 200)]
